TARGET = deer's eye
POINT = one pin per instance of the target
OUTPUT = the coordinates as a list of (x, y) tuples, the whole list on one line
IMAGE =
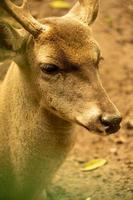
[(49, 68)]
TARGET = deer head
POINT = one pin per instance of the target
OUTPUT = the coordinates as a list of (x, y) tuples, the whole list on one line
[(63, 59)]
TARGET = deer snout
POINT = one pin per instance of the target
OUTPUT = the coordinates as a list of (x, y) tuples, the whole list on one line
[(111, 122), (95, 120)]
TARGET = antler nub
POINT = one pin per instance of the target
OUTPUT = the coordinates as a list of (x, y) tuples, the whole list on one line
[(23, 16)]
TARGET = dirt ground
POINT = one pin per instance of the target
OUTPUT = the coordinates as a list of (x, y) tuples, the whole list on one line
[(114, 32)]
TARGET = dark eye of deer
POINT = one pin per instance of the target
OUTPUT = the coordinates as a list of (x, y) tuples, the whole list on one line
[(49, 68)]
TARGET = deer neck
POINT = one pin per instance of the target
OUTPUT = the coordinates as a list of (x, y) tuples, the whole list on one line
[(34, 139)]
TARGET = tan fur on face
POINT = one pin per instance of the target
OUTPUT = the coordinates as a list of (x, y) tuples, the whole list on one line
[(71, 47), (68, 42)]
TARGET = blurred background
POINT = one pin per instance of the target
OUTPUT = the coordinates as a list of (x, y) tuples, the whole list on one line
[(114, 32)]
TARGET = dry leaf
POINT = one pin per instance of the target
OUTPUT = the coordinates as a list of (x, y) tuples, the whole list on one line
[(60, 4), (94, 164), (89, 198)]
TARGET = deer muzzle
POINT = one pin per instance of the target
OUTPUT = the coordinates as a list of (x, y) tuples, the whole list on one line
[(103, 124)]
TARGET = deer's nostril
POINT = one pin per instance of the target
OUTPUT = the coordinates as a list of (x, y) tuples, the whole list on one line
[(111, 123)]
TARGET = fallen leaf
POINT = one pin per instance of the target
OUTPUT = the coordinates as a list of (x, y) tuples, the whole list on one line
[(94, 164), (89, 198), (60, 4)]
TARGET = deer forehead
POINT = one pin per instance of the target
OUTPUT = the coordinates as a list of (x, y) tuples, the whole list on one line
[(66, 40)]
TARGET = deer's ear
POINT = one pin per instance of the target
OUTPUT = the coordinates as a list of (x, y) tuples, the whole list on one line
[(85, 10), (10, 41)]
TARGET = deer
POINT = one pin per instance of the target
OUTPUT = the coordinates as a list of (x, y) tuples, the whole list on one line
[(52, 84)]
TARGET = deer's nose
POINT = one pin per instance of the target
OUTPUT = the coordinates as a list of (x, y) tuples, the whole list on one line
[(111, 122)]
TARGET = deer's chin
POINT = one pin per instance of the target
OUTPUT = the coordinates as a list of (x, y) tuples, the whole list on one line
[(94, 129)]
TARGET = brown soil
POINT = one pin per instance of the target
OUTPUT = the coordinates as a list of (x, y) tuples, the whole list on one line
[(114, 32)]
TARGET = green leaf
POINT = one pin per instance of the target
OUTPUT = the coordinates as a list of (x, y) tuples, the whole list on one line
[(60, 4), (94, 164)]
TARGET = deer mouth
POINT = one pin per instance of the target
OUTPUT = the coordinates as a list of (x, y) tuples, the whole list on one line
[(92, 128)]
